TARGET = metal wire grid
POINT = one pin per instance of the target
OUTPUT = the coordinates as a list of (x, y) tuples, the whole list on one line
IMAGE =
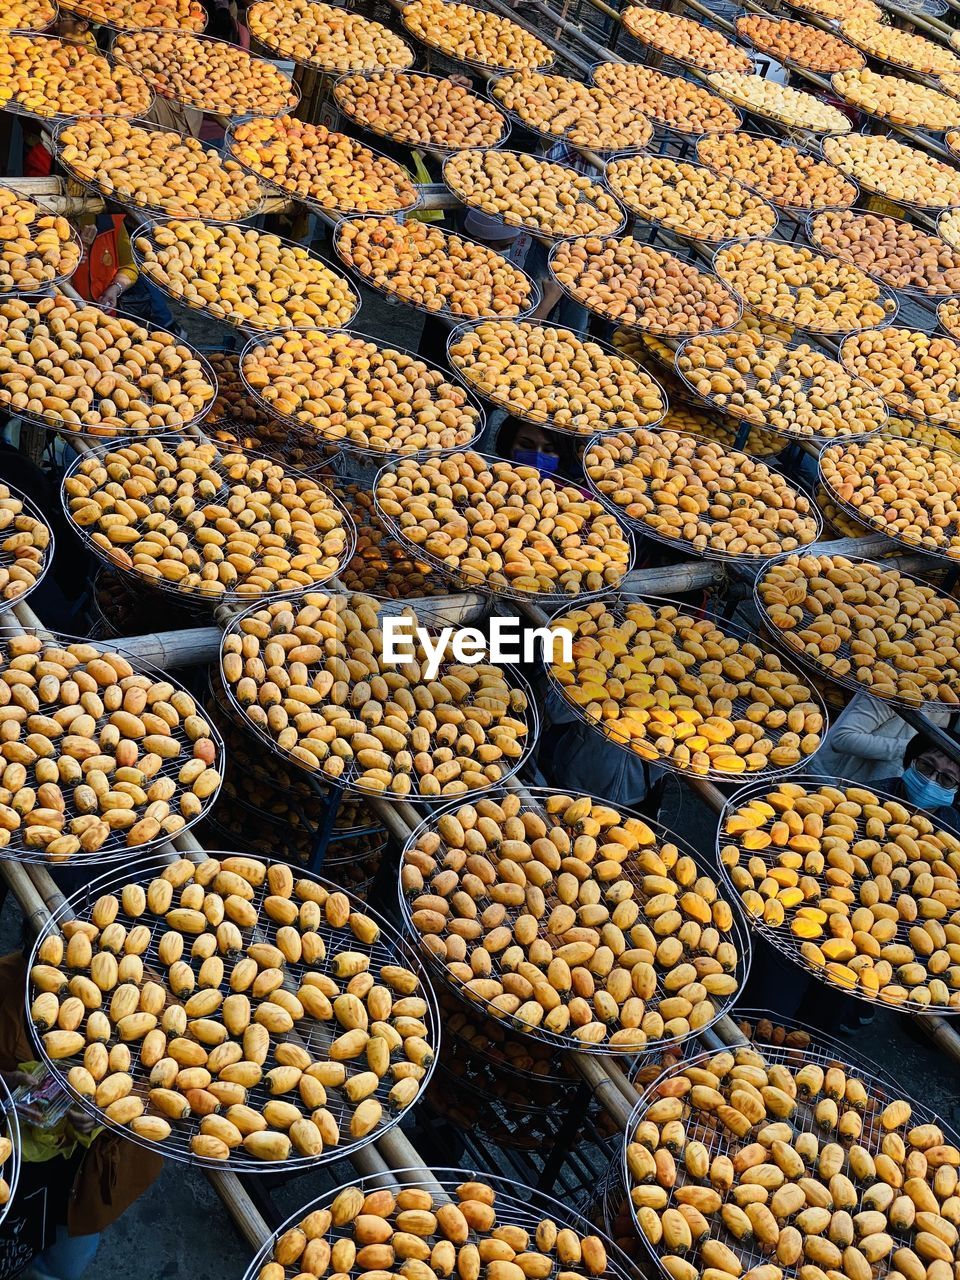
[(807, 9), (649, 105), (770, 48), (916, 292), (878, 189), (345, 103), (479, 68), (79, 53), (791, 210), (534, 800), (467, 580), (616, 606), (115, 847), (491, 1046), (159, 276), (43, 9), (10, 558), (650, 42), (782, 938), (10, 1171), (386, 350), (703, 1127), (237, 596), (641, 528), (499, 395), (749, 378), (532, 287), (311, 1034), (389, 573), (285, 51), (294, 449), (534, 227), (42, 286), (886, 60), (742, 100), (888, 119), (99, 13), (212, 106), (676, 225), (474, 1096), (885, 295), (335, 207), (139, 201), (565, 133), (350, 780), (928, 8), (688, 258), (783, 645), (516, 1204)]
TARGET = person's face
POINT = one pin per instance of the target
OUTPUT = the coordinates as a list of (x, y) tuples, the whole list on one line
[(532, 439), (938, 767)]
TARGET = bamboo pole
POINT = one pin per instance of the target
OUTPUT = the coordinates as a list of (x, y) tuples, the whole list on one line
[(603, 1087)]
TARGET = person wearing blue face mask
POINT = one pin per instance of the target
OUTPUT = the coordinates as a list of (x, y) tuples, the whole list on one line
[(929, 781), (533, 446)]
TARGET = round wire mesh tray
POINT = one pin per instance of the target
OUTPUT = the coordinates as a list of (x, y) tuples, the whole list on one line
[(159, 276), (54, 422), (782, 937), (311, 1033), (502, 587), (895, 399), (941, 247), (188, 530), (139, 201), (120, 15), (532, 225), (616, 606), (77, 804), (779, 637), (345, 104), (280, 48), (887, 119), (29, 15), (474, 64), (338, 210), (783, 207), (513, 1056), (355, 447), (81, 53), (445, 311), (869, 8), (750, 379), (642, 135), (632, 870), (648, 106), (10, 1168), (685, 545), (350, 780), (515, 1205), (875, 188), (705, 1127), (188, 92), (40, 558), (676, 226), (770, 48), (688, 257), (885, 299), (769, 1028), (796, 124), (909, 68), (948, 318), (498, 393), (64, 268), (650, 42)]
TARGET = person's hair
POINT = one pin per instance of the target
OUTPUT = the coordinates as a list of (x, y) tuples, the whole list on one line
[(917, 745), (507, 434)]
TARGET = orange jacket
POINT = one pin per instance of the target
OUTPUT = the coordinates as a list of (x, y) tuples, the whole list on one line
[(109, 255)]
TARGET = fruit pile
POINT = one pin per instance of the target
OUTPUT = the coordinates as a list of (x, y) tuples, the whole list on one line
[(246, 277), (891, 168), (680, 689), (417, 1225), (684, 39), (196, 980), (310, 162), (850, 875), (525, 905), (629, 281), (380, 565), (142, 15), (948, 313), (808, 1165), (51, 77), (698, 494), (582, 114), (916, 373), (97, 756), (435, 269), (504, 525), (678, 104), (24, 546), (205, 522), (792, 107), (210, 75), (901, 102), (841, 10), (28, 15), (782, 173), (343, 387), (550, 199), (688, 199), (80, 369), (420, 110), (799, 43), (904, 48), (907, 490), (326, 36), (897, 253), (36, 248), (801, 288), (793, 389), (157, 169), (350, 714), (237, 418), (869, 623), (467, 34), (555, 376)]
